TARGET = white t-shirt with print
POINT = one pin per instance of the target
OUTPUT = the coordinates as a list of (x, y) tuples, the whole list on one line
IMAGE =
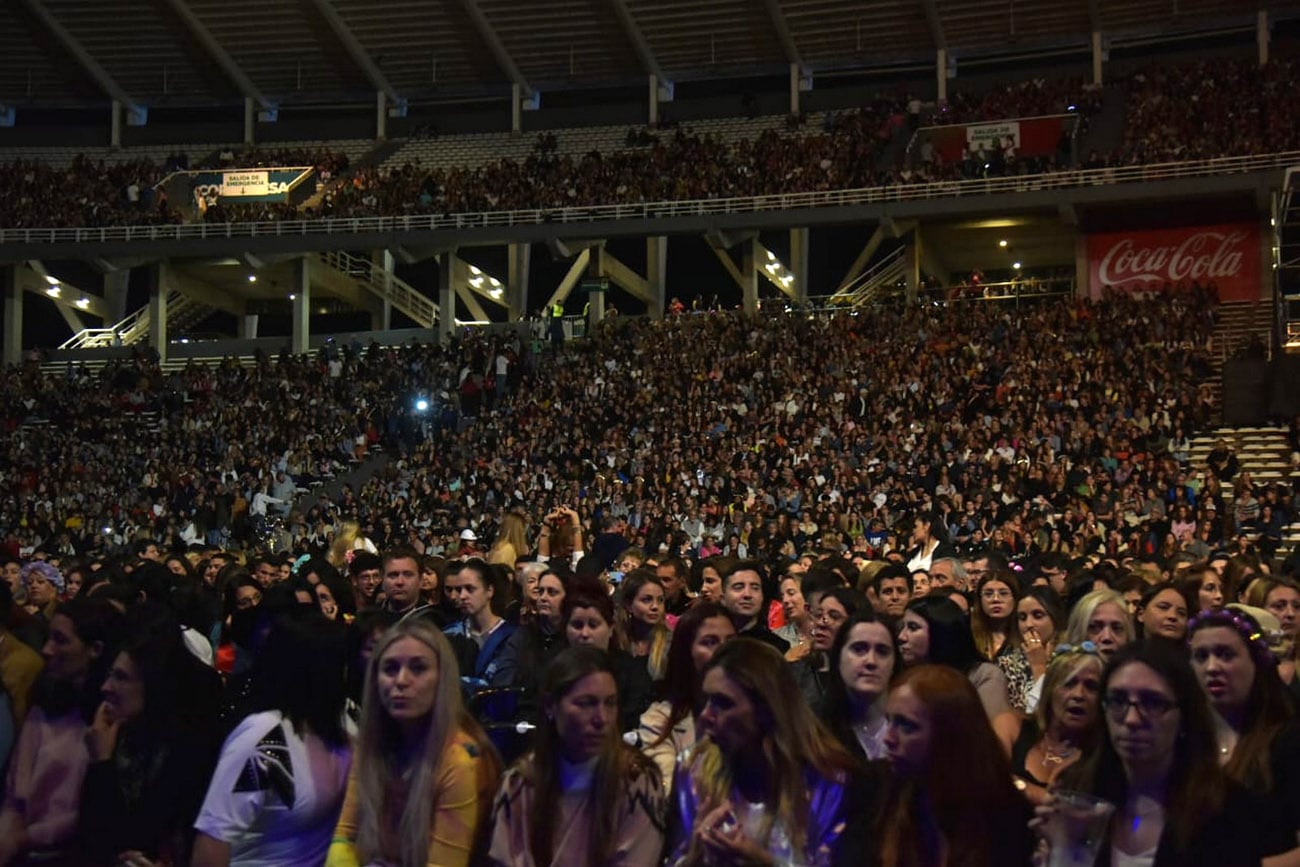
[(275, 795)]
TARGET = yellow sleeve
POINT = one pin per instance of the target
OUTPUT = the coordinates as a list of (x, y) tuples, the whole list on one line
[(343, 849), (460, 806)]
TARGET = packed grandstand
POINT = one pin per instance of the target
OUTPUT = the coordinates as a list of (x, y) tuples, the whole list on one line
[(984, 498)]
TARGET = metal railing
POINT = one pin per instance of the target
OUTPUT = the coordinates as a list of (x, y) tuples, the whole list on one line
[(862, 289), (385, 284), (663, 210)]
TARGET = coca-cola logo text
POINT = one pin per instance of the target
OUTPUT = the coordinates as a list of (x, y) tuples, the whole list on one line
[(1202, 256)]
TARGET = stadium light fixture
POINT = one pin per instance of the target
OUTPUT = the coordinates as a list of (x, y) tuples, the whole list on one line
[(252, 278), (51, 279), (1003, 243), (83, 302), (1015, 265), (54, 291), (293, 297)]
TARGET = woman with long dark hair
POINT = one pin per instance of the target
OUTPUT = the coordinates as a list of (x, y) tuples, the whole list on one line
[(43, 788), (933, 629), (1158, 763), (669, 726), (1255, 726), (765, 783), (864, 661), (581, 796), (642, 629), (152, 744), (588, 616)]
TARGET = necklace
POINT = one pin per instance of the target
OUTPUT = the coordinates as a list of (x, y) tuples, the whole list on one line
[(1057, 756)]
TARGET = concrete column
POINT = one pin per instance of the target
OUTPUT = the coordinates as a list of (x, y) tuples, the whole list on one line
[(250, 120), (248, 327), (300, 334), (381, 310), (517, 260), (13, 332), (941, 74), (115, 124), (1262, 35), (158, 309), (594, 305), (516, 109), (794, 88), (653, 117), (115, 289), (912, 276), (799, 264), (446, 295), (1098, 56), (656, 272), (1268, 277), (381, 117), (1081, 265), (749, 273)]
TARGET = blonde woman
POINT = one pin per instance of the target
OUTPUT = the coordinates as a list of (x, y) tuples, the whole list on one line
[(511, 542), (423, 772), (765, 782), (346, 540)]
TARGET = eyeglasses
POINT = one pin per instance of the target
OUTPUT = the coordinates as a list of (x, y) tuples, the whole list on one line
[(1149, 705), (995, 594)]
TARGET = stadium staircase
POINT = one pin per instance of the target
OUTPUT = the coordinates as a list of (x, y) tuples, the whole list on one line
[(879, 281), (183, 312), (345, 271), (1262, 452), (1105, 132), (1236, 324)]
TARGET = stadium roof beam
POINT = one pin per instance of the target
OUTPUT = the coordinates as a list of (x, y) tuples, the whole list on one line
[(634, 35), (356, 50), (936, 24), (218, 54), (783, 36), (73, 46), (489, 36)]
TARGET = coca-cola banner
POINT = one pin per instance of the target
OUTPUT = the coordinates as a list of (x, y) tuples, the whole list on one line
[(1226, 256)]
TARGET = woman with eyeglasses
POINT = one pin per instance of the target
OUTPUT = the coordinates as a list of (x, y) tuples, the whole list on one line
[(993, 624), (1064, 726), (829, 611), (1258, 738), (1158, 763)]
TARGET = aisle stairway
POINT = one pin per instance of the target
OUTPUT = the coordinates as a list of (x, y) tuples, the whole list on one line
[(1236, 323), (1261, 451)]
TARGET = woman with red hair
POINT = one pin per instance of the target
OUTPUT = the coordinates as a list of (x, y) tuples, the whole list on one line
[(949, 799)]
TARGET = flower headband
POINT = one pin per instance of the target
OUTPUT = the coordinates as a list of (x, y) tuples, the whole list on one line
[(1251, 632), (1081, 647)]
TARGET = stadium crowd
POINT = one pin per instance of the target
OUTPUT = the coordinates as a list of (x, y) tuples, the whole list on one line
[(1192, 110), (806, 564)]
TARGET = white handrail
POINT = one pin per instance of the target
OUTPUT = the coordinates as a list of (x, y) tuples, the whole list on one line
[(661, 210)]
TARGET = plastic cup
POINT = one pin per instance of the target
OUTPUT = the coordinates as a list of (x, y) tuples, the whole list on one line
[(1077, 828)]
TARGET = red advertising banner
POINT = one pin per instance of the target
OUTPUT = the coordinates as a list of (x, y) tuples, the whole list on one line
[(1226, 256)]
